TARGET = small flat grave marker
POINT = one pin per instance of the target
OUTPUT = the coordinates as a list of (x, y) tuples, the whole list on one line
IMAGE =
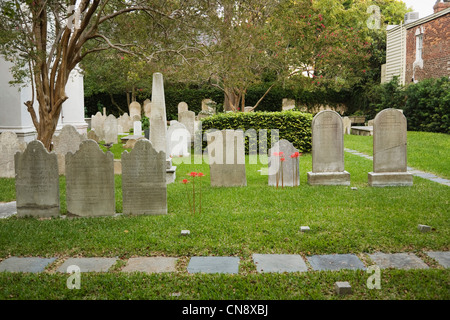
[(213, 265), (336, 262), (25, 264), (279, 263)]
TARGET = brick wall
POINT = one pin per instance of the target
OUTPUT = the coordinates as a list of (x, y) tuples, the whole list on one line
[(436, 50)]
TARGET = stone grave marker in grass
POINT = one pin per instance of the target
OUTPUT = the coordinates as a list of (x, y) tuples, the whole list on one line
[(90, 181), (389, 150), (37, 181), (328, 150)]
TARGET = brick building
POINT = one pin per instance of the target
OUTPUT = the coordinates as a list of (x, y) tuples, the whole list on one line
[(420, 48)]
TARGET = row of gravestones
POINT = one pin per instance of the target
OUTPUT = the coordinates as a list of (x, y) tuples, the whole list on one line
[(90, 187), (107, 128), (226, 153), (69, 140)]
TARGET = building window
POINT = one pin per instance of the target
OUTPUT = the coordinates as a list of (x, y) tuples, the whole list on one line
[(419, 47)]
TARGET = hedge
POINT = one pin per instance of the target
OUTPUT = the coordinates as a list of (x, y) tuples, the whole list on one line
[(293, 126), (427, 106)]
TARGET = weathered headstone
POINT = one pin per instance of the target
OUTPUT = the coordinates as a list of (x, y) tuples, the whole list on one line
[(137, 128), (147, 108), (389, 150), (126, 122), (68, 140), (90, 181), (135, 109), (97, 123), (183, 106), (226, 154), (288, 104), (93, 136), (144, 180), (188, 119), (158, 119), (111, 129), (178, 140), (284, 172), (9, 145), (347, 123), (328, 150), (37, 181)]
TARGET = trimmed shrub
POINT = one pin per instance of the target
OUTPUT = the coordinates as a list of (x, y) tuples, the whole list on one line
[(428, 105), (293, 126)]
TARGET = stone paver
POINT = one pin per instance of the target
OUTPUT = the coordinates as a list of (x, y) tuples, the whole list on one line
[(8, 209), (442, 257), (397, 260), (279, 263), (213, 265), (88, 264), (151, 264), (336, 262), (25, 264)]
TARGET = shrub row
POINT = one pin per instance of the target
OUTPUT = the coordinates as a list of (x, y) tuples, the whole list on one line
[(293, 126)]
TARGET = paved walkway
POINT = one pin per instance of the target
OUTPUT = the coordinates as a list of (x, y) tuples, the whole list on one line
[(415, 172), (264, 263)]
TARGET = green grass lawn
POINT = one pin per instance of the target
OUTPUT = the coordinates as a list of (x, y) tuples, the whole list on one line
[(242, 221), (429, 152)]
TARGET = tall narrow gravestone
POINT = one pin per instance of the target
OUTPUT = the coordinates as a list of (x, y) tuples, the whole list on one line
[(182, 107), (226, 155), (158, 119), (90, 181), (283, 165), (389, 150), (37, 181), (9, 145), (68, 140), (144, 180), (328, 150)]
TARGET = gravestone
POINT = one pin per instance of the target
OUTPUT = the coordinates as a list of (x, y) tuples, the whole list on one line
[(226, 154), (182, 106), (148, 109), (178, 140), (144, 180), (158, 119), (137, 128), (328, 150), (135, 109), (111, 129), (347, 123), (93, 136), (283, 173), (188, 119), (90, 181), (97, 123), (37, 181), (389, 150), (9, 145), (68, 140), (126, 122), (287, 104)]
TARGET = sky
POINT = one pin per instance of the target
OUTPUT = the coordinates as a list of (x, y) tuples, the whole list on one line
[(424, 7)]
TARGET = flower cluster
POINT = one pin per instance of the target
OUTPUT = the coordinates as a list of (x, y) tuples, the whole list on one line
[(186, 181)]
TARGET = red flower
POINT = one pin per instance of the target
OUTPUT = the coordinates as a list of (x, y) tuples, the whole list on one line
[(282, 159), (192, 174), (295, 154), (200, 174), (185, 181)]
